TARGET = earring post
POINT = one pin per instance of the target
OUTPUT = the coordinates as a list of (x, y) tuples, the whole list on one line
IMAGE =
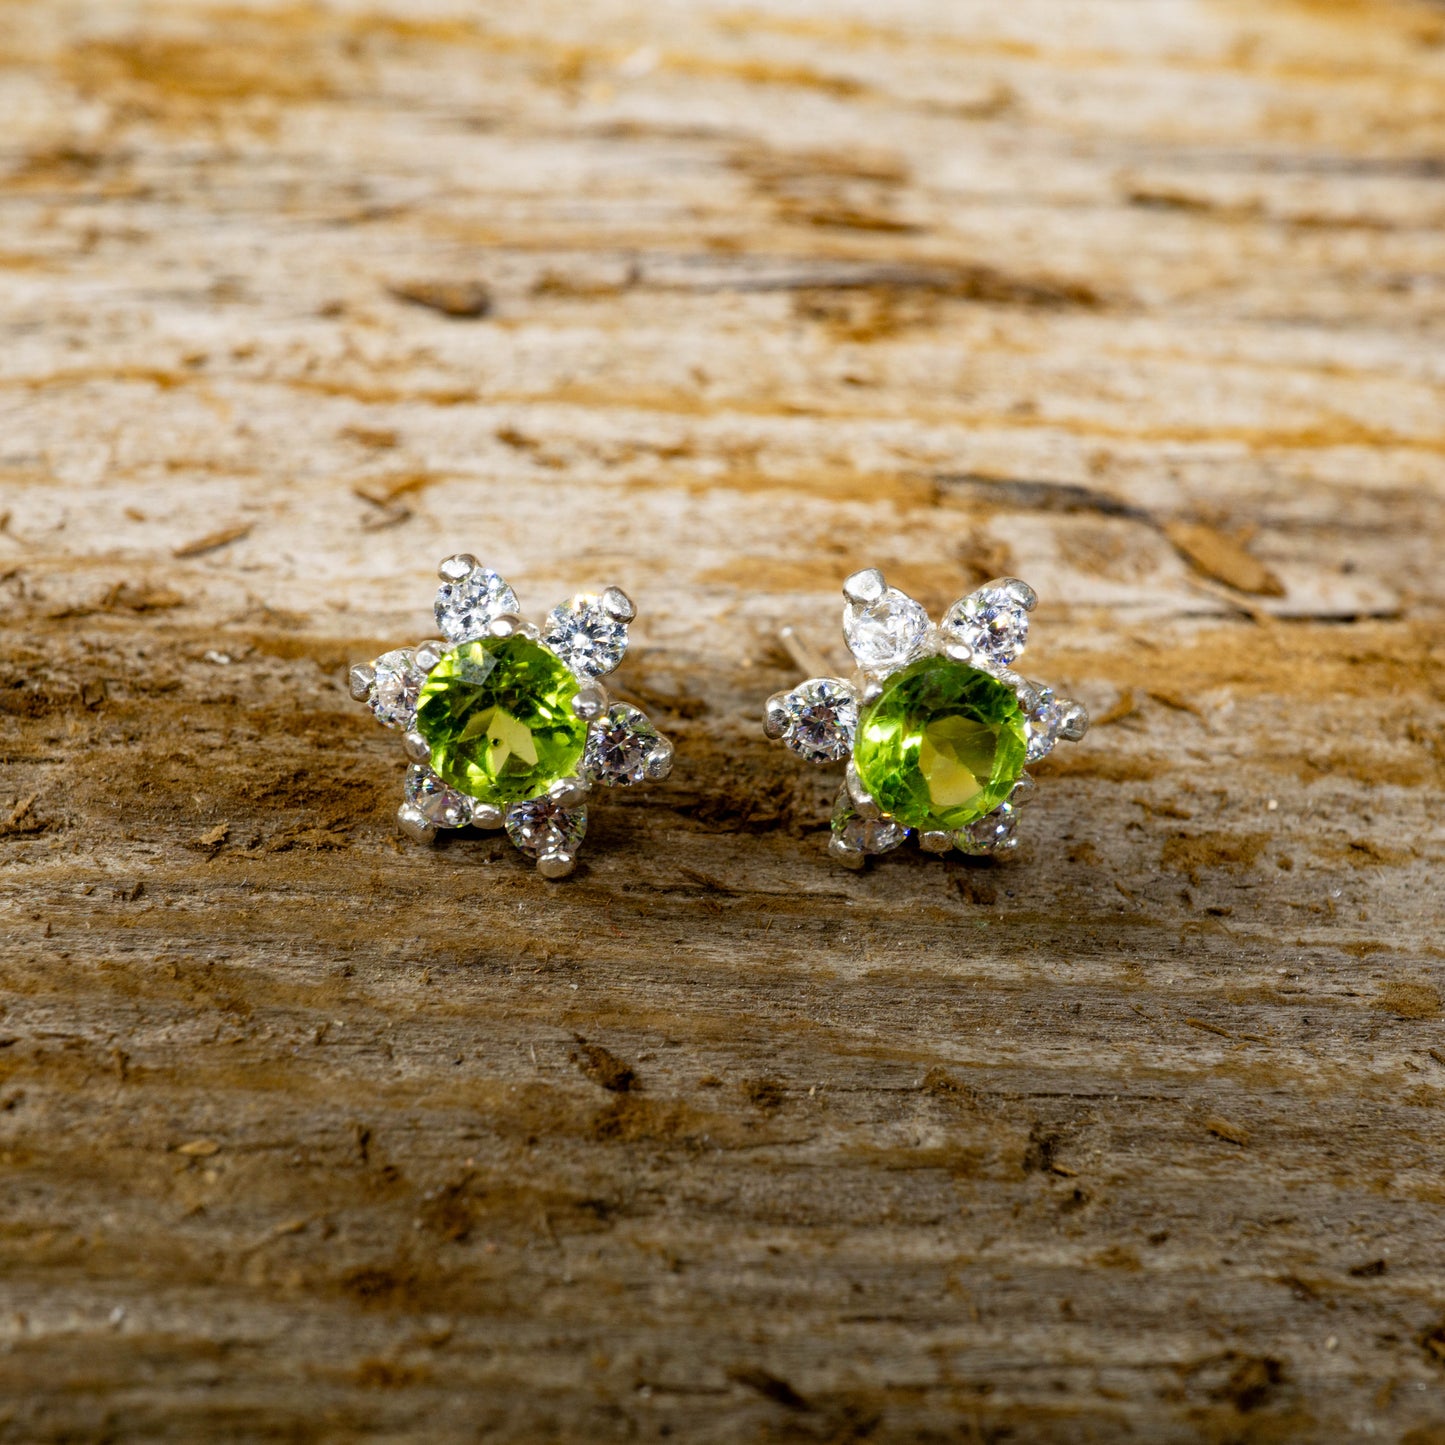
[(807, 661)]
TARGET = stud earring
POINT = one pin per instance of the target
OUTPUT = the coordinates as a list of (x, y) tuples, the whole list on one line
[(505, 723), (936, 726)]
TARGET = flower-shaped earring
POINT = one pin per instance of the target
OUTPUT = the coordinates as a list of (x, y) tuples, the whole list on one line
[(505, 722), (936, 725)]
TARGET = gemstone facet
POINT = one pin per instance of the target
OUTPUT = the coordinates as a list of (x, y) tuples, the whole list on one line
[(820, 718), (622, 746), (542, 827), (941, 746), (996, 833), (585, 635), (864, 835), (438, 803), (394, 693), (993, 624), (466, 607), (1045, 717), (887, 632), (497, 715)]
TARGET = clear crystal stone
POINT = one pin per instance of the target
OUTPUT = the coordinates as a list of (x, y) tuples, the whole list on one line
[(1042, 722), (991, 622), (995, 833), (466, 607), (864, 835), (585, 635), (543, 826), (431, 797), (621, 745), (394, 692), (821, 719), (885, 633)]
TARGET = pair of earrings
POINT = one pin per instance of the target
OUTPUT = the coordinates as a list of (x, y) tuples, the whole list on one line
[(507, 724)]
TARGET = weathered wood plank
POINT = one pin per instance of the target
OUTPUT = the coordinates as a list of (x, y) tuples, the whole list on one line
[(306, 1133)]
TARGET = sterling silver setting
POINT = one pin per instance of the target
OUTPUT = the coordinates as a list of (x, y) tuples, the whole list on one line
[(588, 634), (886, 630)]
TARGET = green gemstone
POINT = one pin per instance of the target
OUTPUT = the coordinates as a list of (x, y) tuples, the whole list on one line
[(942, 745), (497, 715)]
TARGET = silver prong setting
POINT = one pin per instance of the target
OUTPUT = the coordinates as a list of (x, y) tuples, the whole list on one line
[(415, 824), (569, 792), (862, 800), (556, 865), (458, 568), (361, 679), (617, 604), (854, 858), (416, 747), (1075, 722), (775, 718), (935, 841), (430, 652), (590, 702), (659, 765), (1019, 590), (487, 815), (506, 624), (865, 587)]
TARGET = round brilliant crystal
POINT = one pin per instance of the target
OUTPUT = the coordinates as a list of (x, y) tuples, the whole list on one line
[(822, 718), (991, 622), (466, 607), (885, 633), (996, 833), (621, 746), (440, 804), (585, 635), (398, 683), (543, 827)]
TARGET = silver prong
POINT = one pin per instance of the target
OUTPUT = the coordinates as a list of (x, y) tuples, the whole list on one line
[(415, 824), (556, 865), (870, 688), (616, 603), (860, 797), (416, 747), (362, 679), (1024, 790), (957, 651), (1019, 590), (775, 719), (854, 858), (659, 765), (430, 652), (487, 815), (458, 568), (590, 702), (569, 792), (505, 624), (935, 842), (865, 587), (1075, 722)]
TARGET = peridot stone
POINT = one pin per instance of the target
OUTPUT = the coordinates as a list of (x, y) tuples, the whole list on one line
[(497, 715), (942, 745)]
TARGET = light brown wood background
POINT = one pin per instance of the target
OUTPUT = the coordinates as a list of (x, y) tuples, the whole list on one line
[(309, 1135)]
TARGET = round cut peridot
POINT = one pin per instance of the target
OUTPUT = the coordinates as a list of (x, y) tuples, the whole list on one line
[(941, 746), (497, 716)]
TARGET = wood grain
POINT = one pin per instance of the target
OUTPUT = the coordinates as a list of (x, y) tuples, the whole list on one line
[(306, 1134)]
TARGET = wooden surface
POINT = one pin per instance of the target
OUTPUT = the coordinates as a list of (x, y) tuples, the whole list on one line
[(306, 1134)]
